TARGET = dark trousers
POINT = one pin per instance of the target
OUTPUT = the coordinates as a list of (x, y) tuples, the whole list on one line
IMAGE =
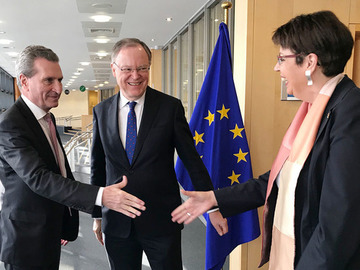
[(15, 267), (163, 252)]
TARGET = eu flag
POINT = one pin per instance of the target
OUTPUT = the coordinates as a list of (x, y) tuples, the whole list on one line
[(220, 139)]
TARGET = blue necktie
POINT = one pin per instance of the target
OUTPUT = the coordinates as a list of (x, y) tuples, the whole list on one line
[(131, 132)]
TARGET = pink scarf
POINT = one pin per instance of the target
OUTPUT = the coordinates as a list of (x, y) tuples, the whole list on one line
[(294, 150)]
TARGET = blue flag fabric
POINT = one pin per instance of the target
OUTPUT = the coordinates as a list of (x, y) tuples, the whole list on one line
[(220, 139)]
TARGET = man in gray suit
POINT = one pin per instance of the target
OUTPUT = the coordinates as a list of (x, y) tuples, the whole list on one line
[(40, 191)]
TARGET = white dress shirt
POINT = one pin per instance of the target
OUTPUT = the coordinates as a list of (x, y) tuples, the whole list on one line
[(39, 115), (123, 112)]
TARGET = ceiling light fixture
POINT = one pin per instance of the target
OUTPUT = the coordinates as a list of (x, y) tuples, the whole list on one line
[(102, 5), (102, 54), (101, 18), (169, 19), (13, 54), (84, 63), (77, 73), (2, 32), (102, 40), (5, 41)]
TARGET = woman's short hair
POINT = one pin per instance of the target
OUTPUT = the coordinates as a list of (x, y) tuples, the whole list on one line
[(129, 42), (321, 33)]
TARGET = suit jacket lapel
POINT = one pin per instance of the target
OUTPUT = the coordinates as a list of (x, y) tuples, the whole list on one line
[(339, 92), (44, 146), (114, 135), (148, 116)]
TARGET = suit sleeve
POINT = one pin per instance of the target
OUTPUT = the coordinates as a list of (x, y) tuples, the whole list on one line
[(21, 159), (236, 199), (335, 239), (98, 163), (186, 150)]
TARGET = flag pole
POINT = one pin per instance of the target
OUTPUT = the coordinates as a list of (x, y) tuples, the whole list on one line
[(226, 6)]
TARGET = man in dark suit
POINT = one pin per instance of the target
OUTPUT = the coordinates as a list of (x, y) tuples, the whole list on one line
[(160, 128), (36, 175)]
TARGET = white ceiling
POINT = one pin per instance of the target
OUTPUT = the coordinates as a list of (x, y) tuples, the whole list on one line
[(64, 26)]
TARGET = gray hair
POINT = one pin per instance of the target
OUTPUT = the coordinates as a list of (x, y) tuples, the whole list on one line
[(129, 42), (25, 62)]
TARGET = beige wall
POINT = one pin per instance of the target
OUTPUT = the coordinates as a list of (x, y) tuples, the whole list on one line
[(93, 100), (155, 70), (266, 117), (75, 104)]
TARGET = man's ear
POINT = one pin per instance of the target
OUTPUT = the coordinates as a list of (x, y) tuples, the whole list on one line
[(113, 69), (24, 82)]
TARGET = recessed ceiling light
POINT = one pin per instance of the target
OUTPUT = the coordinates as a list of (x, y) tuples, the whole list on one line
[(102, 5), (102, 40), (80, 69), (74, 77), (2, 32), (77, 73), (106, 82), (5, 41), (13, 54), (169, 19), (102, 54), (101, 18), (84, 63), (153, 39)]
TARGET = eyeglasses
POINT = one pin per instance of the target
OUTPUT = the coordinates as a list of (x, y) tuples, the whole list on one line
[(281, 58), (126, 70)]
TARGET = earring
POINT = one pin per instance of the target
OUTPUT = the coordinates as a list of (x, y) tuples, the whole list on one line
[(308, 77)]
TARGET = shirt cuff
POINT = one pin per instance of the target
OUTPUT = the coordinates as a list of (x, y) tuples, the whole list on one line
[(99, 196), (213, 210)]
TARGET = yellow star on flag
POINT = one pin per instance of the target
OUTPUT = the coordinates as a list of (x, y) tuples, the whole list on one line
[(210, 118), (223, 112), (234, 178), (198, 137), (237, 131), (241, 156)]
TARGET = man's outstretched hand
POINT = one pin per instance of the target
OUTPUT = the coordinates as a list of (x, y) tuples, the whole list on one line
[(118, 200)]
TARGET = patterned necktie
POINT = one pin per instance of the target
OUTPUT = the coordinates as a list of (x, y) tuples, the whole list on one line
[(54, 141), (131, 132)]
